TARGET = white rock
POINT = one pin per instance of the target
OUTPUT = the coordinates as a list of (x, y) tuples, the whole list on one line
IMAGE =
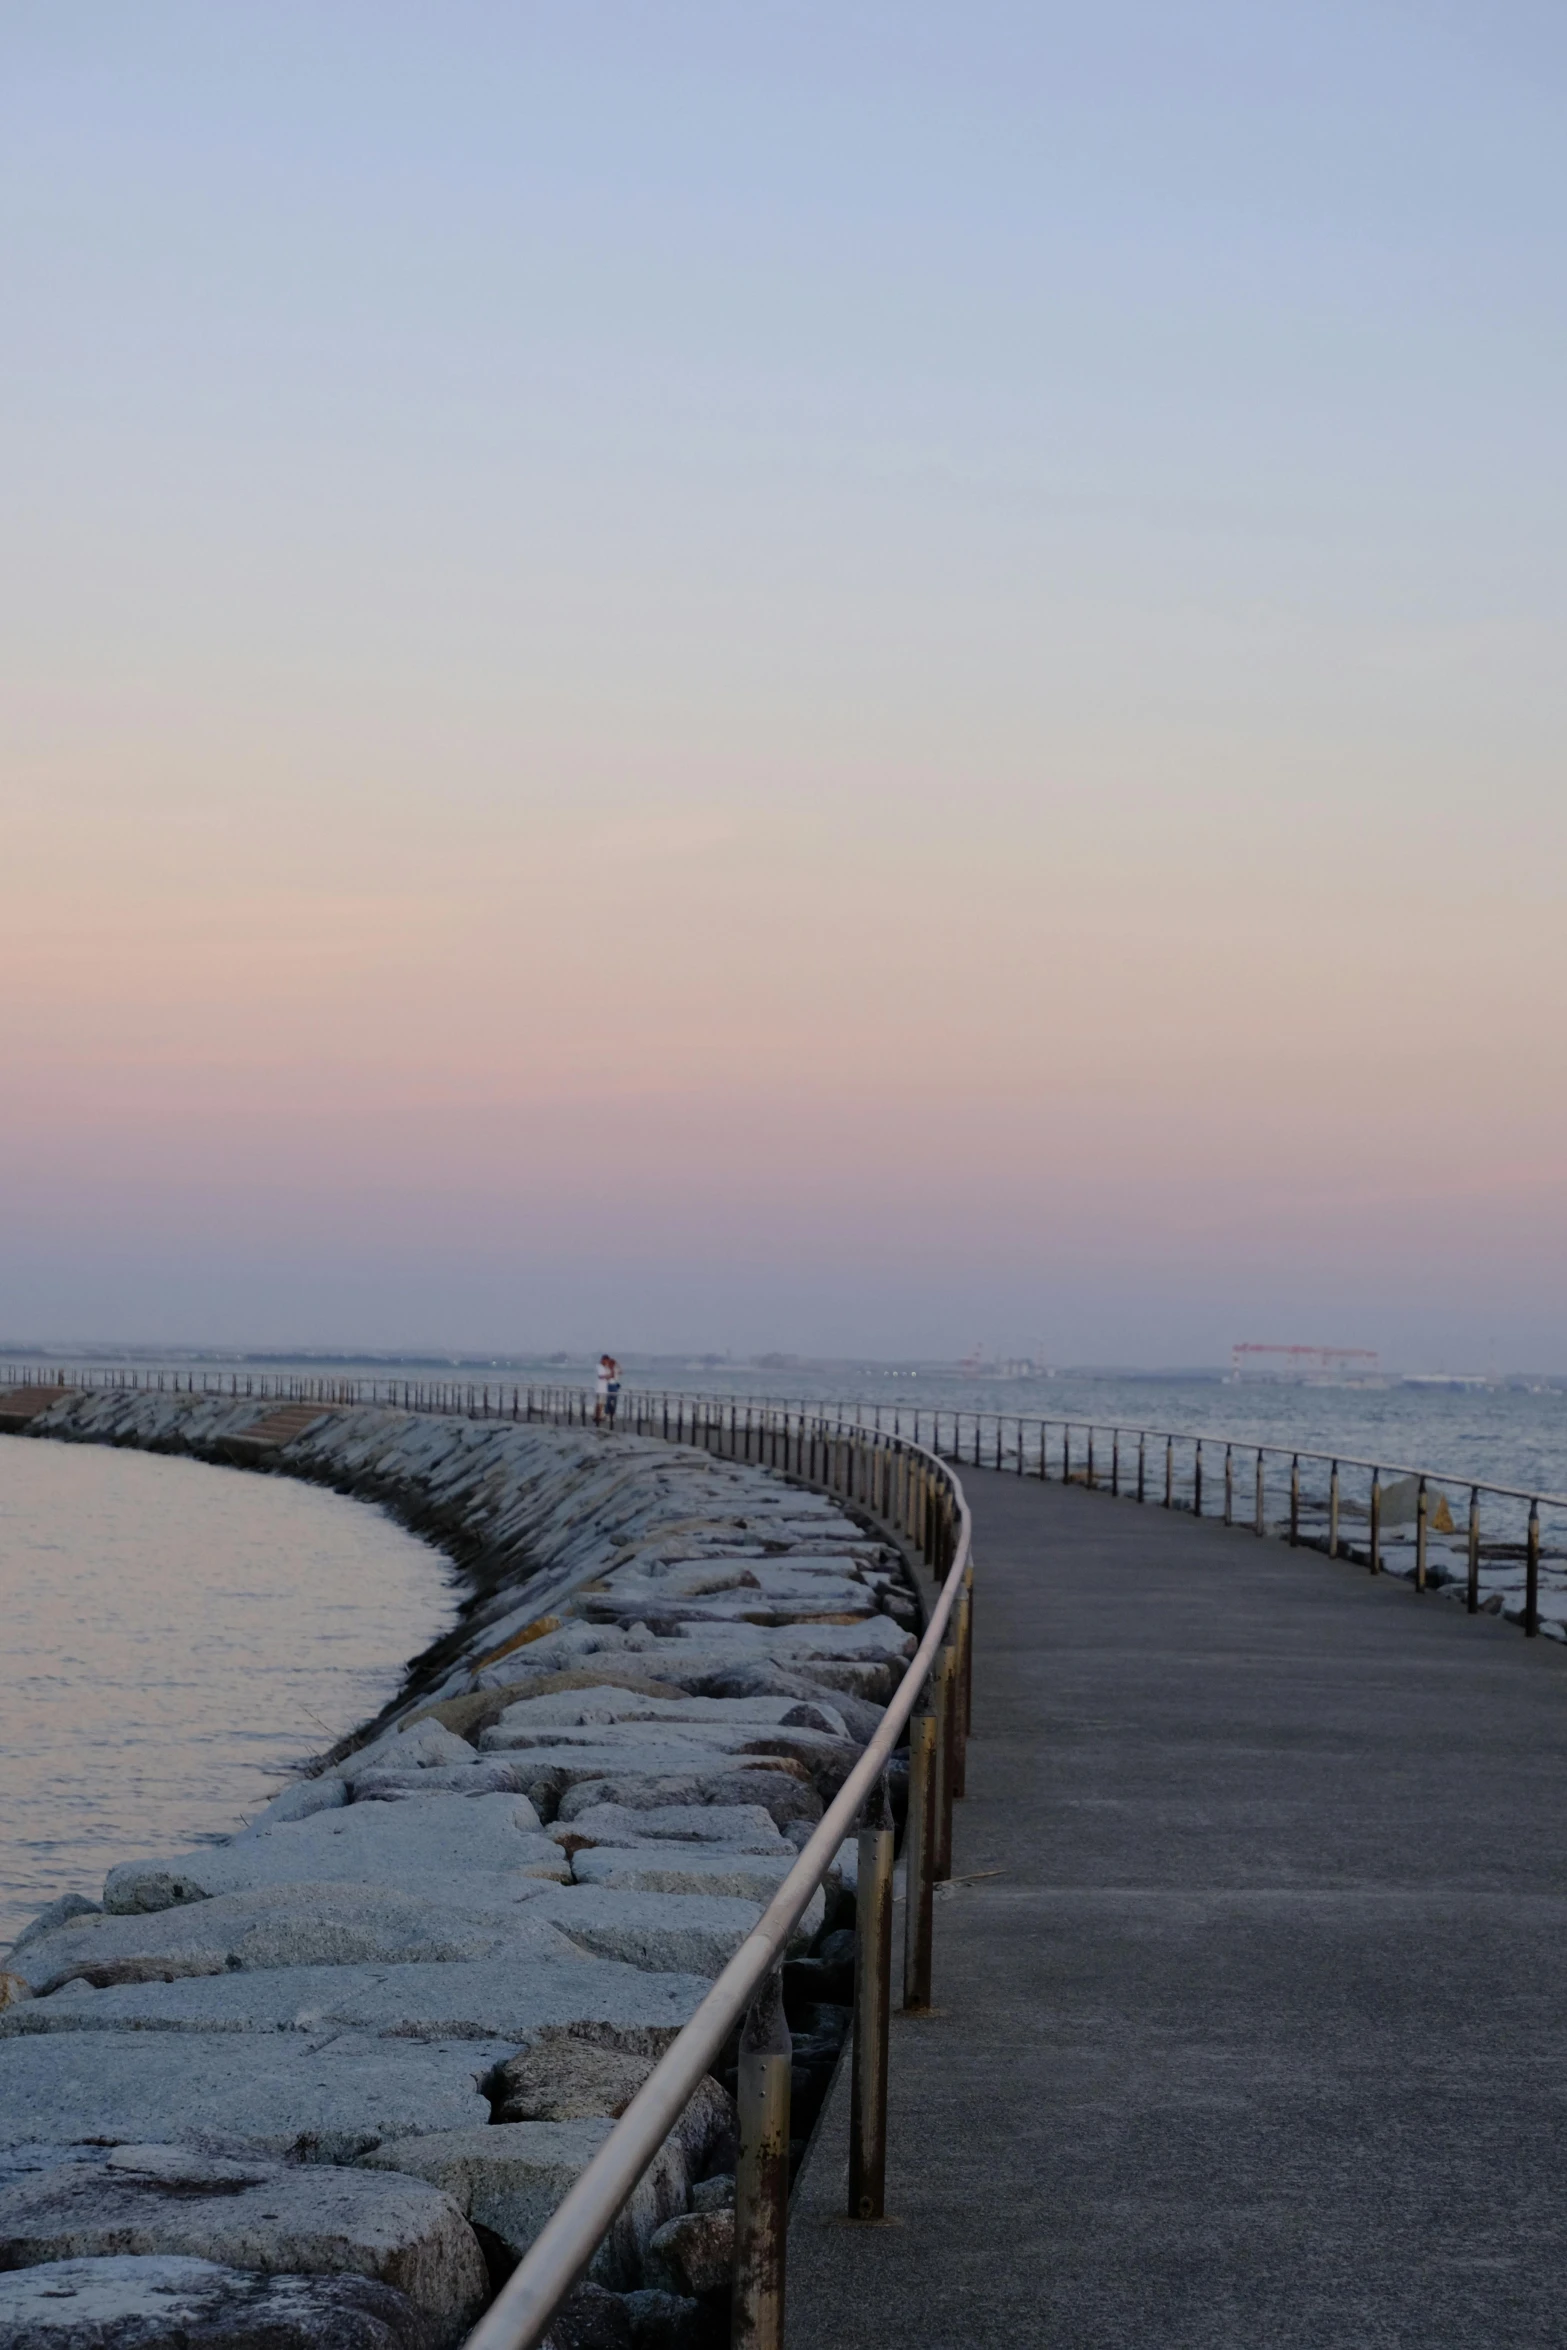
[(286, 2094), (147, 2201), (687, 1868), (511, 1999), (368, 1843), (742, 1827), (308, 1924), (693, 1933)]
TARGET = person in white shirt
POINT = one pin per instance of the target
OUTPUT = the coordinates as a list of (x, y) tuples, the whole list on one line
[(601, 1388)]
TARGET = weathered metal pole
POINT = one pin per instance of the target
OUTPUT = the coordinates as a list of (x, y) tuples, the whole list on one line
[(1422, 1518), (919, 1886), (944, 1683), (762, 2173), (1374, 1561), (872, 2013), (962, 1682), (1531, 1604), (1473, 1593), (1333, 1513)]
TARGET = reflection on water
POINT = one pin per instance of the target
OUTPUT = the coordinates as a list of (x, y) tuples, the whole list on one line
[(175, 1635)]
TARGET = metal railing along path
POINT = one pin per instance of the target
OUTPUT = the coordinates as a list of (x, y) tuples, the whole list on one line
[(1336, 1502), (905, 1491)]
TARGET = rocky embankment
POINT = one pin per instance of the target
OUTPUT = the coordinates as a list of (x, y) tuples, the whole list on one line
[(322, 2083)]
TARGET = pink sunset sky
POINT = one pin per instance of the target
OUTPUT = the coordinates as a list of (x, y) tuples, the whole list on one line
[(841, 679)]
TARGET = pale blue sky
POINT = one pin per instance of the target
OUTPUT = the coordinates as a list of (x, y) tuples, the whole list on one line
[(1028, 534)]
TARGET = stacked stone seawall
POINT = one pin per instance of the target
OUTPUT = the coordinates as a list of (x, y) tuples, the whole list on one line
[(331, 2075)]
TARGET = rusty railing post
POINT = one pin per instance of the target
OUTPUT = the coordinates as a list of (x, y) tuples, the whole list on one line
[(1374, 1559), (944, 1690), (919, 1886), (1422, 1516), (872, 2012), (1531, 1603), (1473, 1594), (762, 2173)]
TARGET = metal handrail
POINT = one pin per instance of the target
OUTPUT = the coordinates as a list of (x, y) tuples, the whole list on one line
[(550, 1401), (568, 2240)]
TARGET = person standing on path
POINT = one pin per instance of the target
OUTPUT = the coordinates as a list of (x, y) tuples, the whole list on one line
[(601, 1382), (612, 1391)]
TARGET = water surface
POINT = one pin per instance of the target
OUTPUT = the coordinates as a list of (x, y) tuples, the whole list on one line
[(175, 1636)]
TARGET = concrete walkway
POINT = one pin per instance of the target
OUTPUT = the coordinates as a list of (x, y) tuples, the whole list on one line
[(1259, 2038)]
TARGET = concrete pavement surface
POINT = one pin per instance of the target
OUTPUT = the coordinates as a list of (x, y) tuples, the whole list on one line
[(1257, 2037)]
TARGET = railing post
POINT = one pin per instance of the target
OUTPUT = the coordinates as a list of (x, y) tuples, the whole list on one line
[(1295, 1502), (872, 2012), (945, 1707), (1229, 1485), (1142, 1448), (1531, 1603), (1115, 1462), (1333, 1513), (919, 1886), (1473, 1594), (1088, 1473), (1374, 1561), (1422, 1515), (1262, 1518), (762, 2173), (1197, 1481), (1169, 1472)]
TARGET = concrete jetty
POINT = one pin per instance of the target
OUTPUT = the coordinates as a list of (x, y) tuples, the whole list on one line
[(318, 2086), (1249, 2024)]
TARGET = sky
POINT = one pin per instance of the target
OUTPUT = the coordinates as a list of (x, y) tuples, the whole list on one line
[(851, 678)]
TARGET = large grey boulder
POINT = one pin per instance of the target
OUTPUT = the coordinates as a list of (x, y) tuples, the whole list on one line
[(153, 2200), (743, 1827), (779, 1792), (487, 1774), (691, 1868), (565, 2079), (692, 2254), (419, 1746), (588, 1708), (298, 1802), (57, 1913), (512, 1998), (509, 2179), (181, 2304), (368, 1843), (297, 1925), (291, 2095), (691, 1933)]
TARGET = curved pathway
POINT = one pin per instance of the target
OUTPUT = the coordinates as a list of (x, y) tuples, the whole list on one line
[(1257, 2040)]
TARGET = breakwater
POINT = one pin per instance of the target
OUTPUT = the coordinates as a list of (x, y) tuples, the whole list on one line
[(435, 1969)]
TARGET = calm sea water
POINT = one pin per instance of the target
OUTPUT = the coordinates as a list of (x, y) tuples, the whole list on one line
[(175, 1636)]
